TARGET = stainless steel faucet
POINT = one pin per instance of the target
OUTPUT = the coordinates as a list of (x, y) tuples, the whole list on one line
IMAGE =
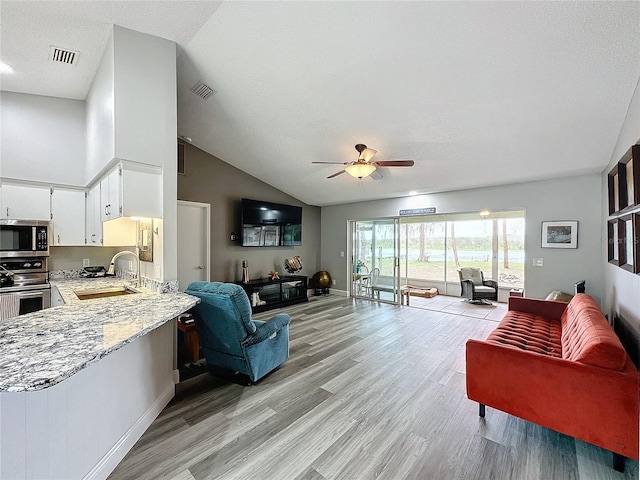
[(112, 267)]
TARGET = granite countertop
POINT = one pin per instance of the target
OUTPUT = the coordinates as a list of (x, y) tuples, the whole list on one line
[(43, 348)]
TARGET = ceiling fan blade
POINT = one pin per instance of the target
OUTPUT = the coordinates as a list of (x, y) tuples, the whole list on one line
[(395, 163), (336, 174), (333, 163), (376, 175)]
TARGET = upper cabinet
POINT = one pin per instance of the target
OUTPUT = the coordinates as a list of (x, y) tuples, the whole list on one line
[(67, 217), (131, 190), (25, 202)]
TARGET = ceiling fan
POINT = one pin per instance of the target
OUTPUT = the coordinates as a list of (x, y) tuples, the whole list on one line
[(364, 166)]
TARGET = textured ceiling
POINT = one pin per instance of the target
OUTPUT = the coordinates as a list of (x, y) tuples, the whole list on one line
[(29, 28), (477, 93)]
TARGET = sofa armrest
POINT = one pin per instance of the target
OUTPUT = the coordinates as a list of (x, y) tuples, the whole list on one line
[(549, 309), (268, 329), (594, 404)]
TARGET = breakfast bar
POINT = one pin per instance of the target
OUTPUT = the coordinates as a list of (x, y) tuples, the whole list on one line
[(81, 382)]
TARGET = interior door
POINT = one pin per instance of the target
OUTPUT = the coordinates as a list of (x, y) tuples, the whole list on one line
[(193, 243), (375, 259)]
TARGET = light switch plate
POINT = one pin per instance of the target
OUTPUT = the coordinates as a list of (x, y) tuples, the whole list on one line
[(538, 262)]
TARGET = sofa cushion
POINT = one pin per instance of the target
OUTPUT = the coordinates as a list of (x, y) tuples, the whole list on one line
[(530, 332), (588, 338)]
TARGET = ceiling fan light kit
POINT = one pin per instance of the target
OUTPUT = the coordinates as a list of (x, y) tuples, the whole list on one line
[(360, 169)]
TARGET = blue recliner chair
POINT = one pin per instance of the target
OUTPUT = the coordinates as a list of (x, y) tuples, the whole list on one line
[(229, 339)]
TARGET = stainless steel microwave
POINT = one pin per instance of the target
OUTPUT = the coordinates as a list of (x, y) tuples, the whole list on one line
[(24, 238)]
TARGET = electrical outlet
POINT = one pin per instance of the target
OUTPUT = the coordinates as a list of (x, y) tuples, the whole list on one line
[(86, 262), (333, 282), (538, 262), (341, 253)]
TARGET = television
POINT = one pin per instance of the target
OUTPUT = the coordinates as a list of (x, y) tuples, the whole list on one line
[(268, 224)]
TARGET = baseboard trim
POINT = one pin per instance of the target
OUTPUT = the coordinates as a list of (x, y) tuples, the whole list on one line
[(114, 456)]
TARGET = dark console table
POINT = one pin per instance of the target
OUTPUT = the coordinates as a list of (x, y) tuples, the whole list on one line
[(276, 293)]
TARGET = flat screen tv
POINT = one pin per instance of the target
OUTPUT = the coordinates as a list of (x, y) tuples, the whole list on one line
[(268, 224)]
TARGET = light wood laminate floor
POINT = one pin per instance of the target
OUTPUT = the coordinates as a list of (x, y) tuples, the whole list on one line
[(369, 391)]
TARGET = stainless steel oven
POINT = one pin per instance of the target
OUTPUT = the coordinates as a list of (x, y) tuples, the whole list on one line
[(24, 238), (30, 286)]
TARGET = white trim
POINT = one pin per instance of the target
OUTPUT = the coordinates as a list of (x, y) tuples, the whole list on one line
[(114, 456)]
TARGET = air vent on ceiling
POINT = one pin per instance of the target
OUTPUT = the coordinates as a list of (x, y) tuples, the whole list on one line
[(203, 90), (62, 55)]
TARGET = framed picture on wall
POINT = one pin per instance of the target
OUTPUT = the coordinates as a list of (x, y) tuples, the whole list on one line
[(560, 234), (613, 245), (628, 242), (629, 172)]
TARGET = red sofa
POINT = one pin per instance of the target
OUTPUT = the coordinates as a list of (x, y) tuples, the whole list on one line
[(559, 365)]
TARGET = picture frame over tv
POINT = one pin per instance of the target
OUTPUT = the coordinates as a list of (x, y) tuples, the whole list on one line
[(268, 224)]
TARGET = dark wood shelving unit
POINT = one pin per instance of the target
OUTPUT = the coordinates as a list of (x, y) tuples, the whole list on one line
[(277, 293)]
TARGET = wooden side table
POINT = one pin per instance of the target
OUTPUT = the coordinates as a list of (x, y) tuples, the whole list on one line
[(516, 292), (191, 341)]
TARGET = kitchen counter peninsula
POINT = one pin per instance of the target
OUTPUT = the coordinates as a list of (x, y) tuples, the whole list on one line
[(43, 348), (81, 382)]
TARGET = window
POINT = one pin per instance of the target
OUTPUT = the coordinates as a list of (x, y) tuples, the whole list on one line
[(433, 248)]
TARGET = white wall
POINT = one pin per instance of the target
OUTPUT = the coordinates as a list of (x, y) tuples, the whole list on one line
[(576, 198), (100, 117), (622, 297), (42, 138)]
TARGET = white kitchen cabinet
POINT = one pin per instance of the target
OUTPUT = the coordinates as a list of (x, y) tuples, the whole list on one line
[(131, 190), (25, 202), (110, 202), (93, 220), (67, 217)]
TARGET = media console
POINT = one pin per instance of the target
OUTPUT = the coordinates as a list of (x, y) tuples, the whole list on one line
[(276, 293)]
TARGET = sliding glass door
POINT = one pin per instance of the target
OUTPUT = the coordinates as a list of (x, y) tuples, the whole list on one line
[(375, 259)]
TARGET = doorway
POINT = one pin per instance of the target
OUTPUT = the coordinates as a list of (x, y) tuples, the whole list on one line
[(374, 269), (194, 245)]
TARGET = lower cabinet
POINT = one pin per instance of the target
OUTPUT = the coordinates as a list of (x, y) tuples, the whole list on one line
[(265, 294)]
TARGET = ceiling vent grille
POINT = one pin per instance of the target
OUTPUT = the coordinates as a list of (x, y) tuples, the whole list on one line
[(203, 90), (61, 55)]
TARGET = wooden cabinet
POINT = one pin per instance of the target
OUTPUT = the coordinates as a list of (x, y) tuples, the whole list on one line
[(67, 217), (265, 294), (25, 202)]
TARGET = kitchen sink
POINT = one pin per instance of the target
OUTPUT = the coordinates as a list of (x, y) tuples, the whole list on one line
[(92, 293)]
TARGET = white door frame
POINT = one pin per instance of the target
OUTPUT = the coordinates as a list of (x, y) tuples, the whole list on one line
[(206, 216)]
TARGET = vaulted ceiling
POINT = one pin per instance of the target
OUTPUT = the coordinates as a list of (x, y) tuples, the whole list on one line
[(477, 93)]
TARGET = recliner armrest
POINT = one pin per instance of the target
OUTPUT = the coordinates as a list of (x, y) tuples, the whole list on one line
[(267, 329)]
